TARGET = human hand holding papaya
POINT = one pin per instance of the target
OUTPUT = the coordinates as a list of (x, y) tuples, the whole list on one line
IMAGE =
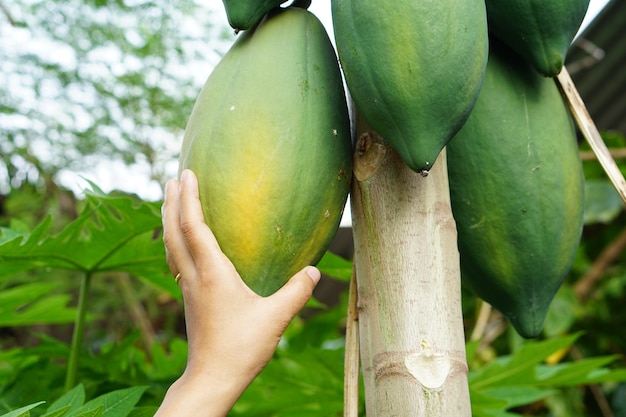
[(232, 331)]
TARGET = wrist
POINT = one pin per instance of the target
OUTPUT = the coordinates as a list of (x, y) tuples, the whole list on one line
[(201, 395)]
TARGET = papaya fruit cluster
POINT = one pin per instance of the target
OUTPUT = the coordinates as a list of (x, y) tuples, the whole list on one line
[(431, 74), (269, 136)]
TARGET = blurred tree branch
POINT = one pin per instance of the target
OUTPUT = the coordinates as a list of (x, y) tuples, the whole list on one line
[(588, 282), (7, 13)]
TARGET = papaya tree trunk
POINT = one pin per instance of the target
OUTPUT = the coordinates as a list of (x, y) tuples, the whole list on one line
[(409, 290)]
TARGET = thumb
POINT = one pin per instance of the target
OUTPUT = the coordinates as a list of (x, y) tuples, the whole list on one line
[(290, 299)]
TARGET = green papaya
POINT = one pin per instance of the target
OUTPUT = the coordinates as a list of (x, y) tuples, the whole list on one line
[(539, 30), (243, 14), (269, 140), (516, 188), (413, 68)]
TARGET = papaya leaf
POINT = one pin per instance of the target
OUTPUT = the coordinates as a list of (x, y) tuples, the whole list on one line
[(582, 372), (31, 304), (483, 401), (24, 411), (14, 268), (518, 368), (113, 404), (519, 395), (69, 401), (17, 231), (106, 225), (59, 412), (292, 385), (522, 377), (143, 412), (95, 412), (493, 413), (112, 233), (165, 365)]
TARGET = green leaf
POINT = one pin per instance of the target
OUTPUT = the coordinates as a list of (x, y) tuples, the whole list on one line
[(24, 411), (95, 240), (483, 401), (32, 304), (143, 412), (58, 413), (519, 368), (166, 365), (112, 233), (69, 401), (470, 350), (521, 378), (602, 202), (335, 266), (582, 372), (493, 413), (113, 404), (95, 412), (518, 395), (293, 384)]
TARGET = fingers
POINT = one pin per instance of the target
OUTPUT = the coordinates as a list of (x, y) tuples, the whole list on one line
[(290, 299), (175, 246), (197, 234)]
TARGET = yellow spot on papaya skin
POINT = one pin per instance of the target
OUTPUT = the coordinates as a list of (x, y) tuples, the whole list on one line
[(250, 192)]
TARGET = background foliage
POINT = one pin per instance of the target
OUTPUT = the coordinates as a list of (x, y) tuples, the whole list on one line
[(103, 88)]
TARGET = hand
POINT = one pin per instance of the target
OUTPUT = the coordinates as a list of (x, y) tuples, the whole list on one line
[(232, 331)]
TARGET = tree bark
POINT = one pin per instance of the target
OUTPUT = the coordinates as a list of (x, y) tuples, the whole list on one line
[(409, 287)]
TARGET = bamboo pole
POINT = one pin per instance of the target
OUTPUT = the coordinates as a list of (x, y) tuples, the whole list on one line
[(590, 131), (409, 286), (351, 367)]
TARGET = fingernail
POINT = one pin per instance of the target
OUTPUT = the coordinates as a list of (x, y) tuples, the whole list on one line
[(184, 175), (314, 274)]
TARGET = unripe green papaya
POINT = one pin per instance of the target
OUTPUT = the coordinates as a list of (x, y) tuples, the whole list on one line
[(269, 139), (539, 30), (413, 68), (516, 187), (243, 14)]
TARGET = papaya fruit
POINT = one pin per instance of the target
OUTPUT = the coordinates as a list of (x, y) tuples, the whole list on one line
[(516, 188), (540, 31), (413, 68), (243, 14), (269, 140)]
